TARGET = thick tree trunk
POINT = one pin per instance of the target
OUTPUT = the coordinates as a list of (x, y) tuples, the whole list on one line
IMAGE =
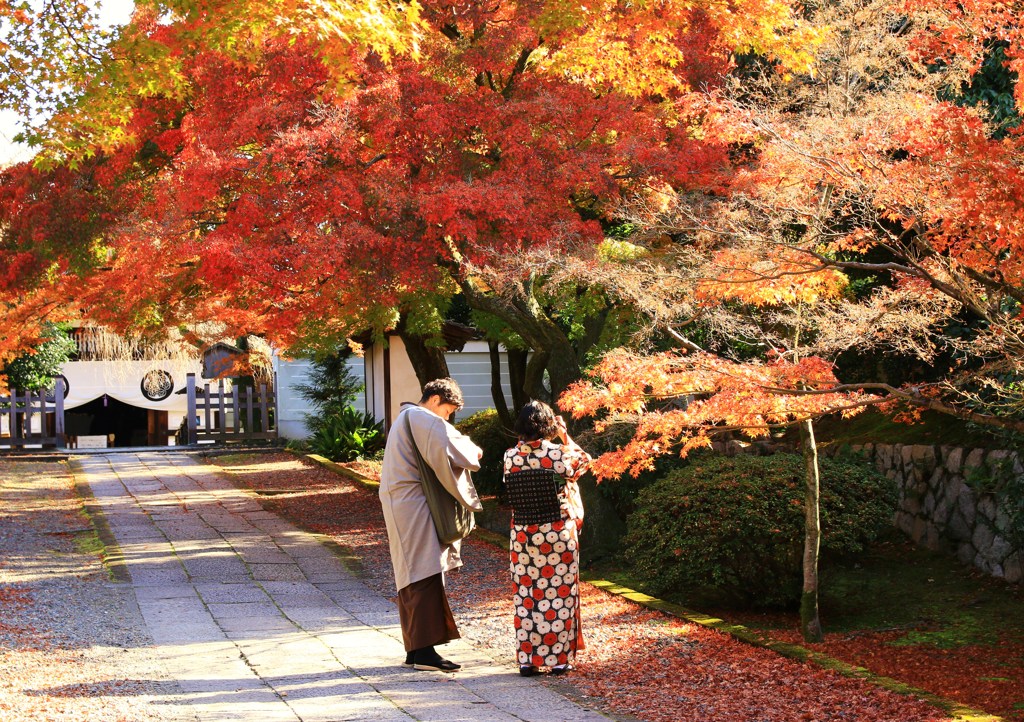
[(810, 623), (427, 361), (517, 359), (552, 350), (497, 393), (533, 382), (563, 370)]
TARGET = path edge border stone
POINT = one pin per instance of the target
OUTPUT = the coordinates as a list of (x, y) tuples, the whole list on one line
[(111, 555), (338, 468)]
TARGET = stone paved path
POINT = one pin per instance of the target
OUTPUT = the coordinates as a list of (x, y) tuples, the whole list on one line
[(258, 621)]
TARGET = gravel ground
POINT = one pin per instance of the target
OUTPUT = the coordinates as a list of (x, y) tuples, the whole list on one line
[(71, 645), (638, 663)]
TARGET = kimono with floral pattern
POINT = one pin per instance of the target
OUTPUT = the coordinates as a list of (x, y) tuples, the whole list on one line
[(544, 560)]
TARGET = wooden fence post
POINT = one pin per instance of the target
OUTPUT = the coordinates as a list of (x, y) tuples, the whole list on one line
[(58, 398), (264, 411), (193, 432), (274, 396), (236, 409), (221, 416), (12, 415), (208, 425), (26, 417)]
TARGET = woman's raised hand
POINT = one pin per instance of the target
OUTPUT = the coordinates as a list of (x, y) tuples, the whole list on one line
[(560, 429)]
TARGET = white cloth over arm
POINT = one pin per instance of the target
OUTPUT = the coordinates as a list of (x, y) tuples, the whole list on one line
[(415, 551)]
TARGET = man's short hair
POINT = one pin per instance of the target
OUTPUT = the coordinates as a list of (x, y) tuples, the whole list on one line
[(447, 389)]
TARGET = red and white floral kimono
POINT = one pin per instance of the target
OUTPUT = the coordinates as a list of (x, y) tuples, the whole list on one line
[(545, 560)]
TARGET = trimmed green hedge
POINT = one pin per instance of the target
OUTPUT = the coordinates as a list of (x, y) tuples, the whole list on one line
[(736, 524)]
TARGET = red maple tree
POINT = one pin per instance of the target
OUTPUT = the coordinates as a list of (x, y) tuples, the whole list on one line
[(278, 193)]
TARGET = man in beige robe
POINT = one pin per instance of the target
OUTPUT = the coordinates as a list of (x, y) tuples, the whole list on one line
[(419, 559)]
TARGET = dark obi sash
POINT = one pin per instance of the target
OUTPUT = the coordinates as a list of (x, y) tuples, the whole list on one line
[(533, 495)]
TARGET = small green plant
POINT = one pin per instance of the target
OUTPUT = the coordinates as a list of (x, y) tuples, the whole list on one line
[(736, 524), (337, 430), (346, 435), (331, 384)]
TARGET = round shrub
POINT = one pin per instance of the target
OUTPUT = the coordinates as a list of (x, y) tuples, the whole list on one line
[(487, 432), (736, 524)]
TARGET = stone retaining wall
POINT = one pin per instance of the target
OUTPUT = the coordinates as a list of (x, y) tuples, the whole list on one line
[(939, 509)]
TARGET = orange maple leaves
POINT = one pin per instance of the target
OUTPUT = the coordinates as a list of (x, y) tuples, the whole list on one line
[(952, 30), (679, 401)]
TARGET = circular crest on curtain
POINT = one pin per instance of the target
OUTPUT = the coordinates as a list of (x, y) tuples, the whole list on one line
[(51, 397), (157, 385)]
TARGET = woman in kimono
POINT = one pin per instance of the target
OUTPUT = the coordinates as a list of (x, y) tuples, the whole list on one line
[(420, 561), (541, 473)]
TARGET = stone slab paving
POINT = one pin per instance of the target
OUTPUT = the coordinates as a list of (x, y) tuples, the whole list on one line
[(256, 620)]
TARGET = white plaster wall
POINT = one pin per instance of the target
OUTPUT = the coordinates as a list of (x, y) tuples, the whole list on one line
[(471, 368), (404, 384), (291, 407)]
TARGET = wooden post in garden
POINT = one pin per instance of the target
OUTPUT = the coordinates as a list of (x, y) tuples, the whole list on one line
[(26, 416), (221, 413), (236, 409), (12, 415)]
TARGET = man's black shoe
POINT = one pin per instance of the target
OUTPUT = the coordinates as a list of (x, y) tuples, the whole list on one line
[(429, 660)]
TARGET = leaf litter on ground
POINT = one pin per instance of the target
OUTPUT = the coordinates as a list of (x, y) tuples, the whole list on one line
[(637, 661)]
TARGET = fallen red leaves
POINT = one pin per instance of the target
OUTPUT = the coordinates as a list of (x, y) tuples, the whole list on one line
[(14, 596), (986, 677), (637, 661)]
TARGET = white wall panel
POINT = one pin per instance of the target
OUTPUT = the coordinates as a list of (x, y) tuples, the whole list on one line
[(471, 368)]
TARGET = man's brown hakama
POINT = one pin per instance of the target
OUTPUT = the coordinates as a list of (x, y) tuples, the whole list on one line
[(425, 615)]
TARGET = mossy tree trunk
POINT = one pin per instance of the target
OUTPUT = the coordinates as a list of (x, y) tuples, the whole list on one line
[(810, 622), (554, 364)]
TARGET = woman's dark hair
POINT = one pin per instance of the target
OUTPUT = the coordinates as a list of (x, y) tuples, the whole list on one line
[(446, 389), (536, 421)]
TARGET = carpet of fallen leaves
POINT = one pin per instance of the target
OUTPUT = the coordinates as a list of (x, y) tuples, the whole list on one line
[(637, 662), (989, 677), (70, 646)]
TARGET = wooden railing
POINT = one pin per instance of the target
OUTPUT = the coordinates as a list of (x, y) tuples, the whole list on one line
[(239, 414), (26, 416)]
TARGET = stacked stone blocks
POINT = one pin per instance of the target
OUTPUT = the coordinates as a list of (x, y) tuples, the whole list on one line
[(951, 499)]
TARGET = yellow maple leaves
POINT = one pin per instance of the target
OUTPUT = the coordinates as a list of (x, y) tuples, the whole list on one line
[(784, 277), (635, 49)]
